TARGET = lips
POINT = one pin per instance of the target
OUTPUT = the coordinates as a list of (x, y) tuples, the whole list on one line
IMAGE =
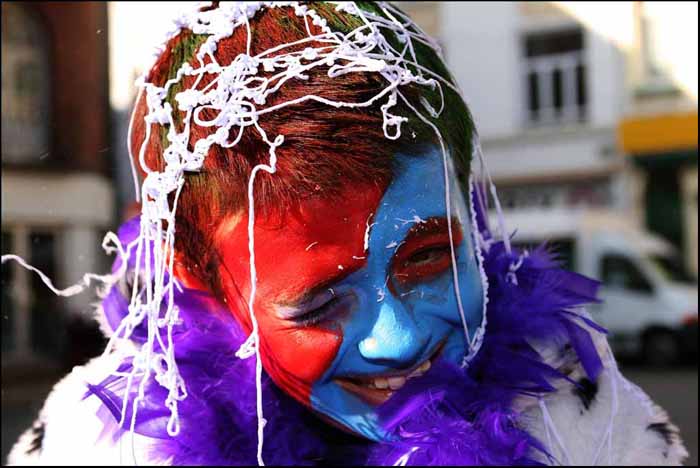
[(376, 389)]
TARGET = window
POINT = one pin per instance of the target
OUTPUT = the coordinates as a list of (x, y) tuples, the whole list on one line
[(555, 77), (619, 272), (25, 86), (556, 194), (672, 268), (47, 327)]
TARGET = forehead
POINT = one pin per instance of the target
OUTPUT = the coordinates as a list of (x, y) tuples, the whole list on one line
[(330, 238), (416, 194)]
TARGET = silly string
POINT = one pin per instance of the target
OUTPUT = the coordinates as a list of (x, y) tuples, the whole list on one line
[(236, 98)]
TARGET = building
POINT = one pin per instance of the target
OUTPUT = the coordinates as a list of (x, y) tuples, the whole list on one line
[(582, 104), (545, 91), (57, 194), (659, 129)]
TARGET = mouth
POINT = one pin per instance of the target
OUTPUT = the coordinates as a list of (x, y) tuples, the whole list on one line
[(376, 389)]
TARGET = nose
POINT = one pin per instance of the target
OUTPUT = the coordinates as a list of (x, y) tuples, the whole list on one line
[(395, 337)]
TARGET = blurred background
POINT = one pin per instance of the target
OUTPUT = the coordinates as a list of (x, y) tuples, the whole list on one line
[(588, 116)]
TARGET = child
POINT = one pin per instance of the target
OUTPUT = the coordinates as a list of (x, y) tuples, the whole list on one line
[(312, 280)]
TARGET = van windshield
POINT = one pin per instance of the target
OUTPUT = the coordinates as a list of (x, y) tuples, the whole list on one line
[(673, 268)]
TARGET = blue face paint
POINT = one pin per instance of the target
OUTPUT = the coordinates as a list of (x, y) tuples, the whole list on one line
[(393, 327)]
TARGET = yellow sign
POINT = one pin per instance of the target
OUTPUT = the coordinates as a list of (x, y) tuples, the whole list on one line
[(658, 133)]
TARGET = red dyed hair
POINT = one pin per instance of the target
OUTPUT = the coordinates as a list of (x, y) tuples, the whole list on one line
[(324, 148)]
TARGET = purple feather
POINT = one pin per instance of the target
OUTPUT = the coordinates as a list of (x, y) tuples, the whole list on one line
[(449, 416)]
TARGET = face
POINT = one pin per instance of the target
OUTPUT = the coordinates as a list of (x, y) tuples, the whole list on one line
[(356, 295)]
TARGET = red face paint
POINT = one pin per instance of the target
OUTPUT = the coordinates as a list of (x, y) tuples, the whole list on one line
[(294, 254)]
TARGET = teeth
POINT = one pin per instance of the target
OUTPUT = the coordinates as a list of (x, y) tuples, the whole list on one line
[(381, 383), (396, 382), (421, 370)]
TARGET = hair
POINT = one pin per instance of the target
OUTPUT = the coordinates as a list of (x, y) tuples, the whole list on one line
[(324, 148)]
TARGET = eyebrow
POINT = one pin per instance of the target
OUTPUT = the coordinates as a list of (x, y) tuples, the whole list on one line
[(434, 225)]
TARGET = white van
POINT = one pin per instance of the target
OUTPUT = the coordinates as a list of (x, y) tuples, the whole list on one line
[(650, 303)]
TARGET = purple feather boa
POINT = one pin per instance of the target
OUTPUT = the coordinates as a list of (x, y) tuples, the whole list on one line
[(450, 416)]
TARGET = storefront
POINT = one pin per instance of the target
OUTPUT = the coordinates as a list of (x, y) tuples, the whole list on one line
[(665, 148)]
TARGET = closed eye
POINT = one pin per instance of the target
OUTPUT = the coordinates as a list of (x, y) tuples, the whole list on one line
[(321, 313)]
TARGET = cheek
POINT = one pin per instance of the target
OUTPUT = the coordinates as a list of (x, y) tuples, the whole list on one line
[(437, 292), (296, 357)]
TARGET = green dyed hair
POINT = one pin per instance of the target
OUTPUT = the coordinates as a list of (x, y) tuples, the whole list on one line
[(323, 147), (454, 123)]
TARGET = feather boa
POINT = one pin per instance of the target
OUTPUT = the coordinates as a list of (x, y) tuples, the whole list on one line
[(449, 416)]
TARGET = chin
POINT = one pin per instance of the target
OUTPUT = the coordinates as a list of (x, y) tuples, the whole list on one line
[(346, 411), (350, 402)]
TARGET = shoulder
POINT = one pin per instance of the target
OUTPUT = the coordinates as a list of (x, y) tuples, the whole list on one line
[(73, 430), (607, 422)]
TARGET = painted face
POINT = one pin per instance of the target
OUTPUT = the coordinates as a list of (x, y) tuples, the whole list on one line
[(357, 295)]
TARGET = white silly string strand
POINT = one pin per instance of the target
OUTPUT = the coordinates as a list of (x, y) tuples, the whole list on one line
[(134, 174), (88, 278), (271, 168), (479, 249), (455, 275)]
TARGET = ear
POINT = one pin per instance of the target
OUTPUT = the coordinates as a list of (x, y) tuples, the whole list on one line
[(183, 274)]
